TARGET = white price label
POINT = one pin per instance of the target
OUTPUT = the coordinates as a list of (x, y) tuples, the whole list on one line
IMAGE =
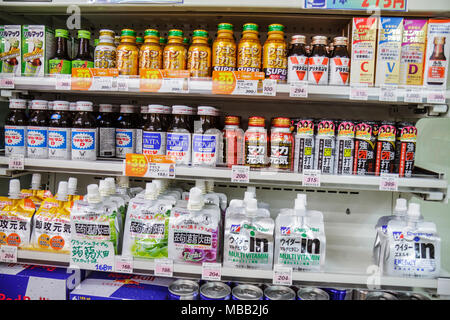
[(388, 182), (164, 268), (359, 92), (175, 85), (413, 94), (240, 174), (436, 96), (63, 82), (16, 162), (311, 178), (122, 83), (102, 84), (161, 170), (282, 275), (92, 255), (246, 87), (8, 254), (211, 271), (124, 264), (298, 89), (7, 82), (388, 93), (269, 87)]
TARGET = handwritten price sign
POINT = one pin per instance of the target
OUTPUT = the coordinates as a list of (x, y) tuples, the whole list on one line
[(282, 275), (211, 271), (92, 254), (164, 268)]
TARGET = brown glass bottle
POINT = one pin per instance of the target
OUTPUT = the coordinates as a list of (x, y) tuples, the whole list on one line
[(37, 131), (179, 135), (106, 131), (126, 131), (83, 58), (84, 133), (339, 70), (153, 134), (437, 65), (297, 59), (16, 123), (318, 61), (59, 131), (60, 63)]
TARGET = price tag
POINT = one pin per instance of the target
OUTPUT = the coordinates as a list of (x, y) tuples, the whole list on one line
[(8, 254), (436, 96), (101, 83), (388, 93), (124, 265), (298, 89), (246, 87), (311, 178), (7, 82), (92, 255), (151, 166), (161, 170), (122, 83), (240, 174), (211, 271), (282, 275), (388, 182), (164, 268), (63, 82), (16, 162), (269, 87), (239, 82), (175, 85), (413, 94), (359, 92)]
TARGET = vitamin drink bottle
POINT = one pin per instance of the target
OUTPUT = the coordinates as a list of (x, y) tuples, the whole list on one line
[(224, 49), (249, 49), (16, 123), (297, 60), (60, 63), (325, 145), (60, 132), (304, 145), (105, 54), (166, 117), (405, 149), (151, 52), (139, 42), (385, 155), (281, 145), (275, 54), (179, 143), (127, 53), (106, 131), (83, 58), (339, 62), (345, 147), (233, 142), (364, 149), (256, 142), (207, 139), (318, 61), (199, 55), (142, 119), (84, 133), (154, 135), (37, 131), (436, 73), (162, 42), (175, 53), (125, 131)]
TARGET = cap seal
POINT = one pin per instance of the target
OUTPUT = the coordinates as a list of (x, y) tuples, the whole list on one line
[(17, 103), (126, 108), (175, 33), (128, 33), (232, 120), (105, 107), (61, 33), (281, 122), (276, 27), (151, 33), (250, 27), (84, 106), (39, 105), (206, 111), (84, 34), (225, 26), (256, 121), (61, 105), (200, 33)]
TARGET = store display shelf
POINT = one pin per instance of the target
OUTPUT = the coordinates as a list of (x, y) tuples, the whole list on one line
[(434, 186), (131, 87), (344, 268)]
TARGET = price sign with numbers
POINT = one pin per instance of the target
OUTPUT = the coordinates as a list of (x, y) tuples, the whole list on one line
[(164, 268), (282, 275), (93, 78), (122, 83), (391, 5), (16, 162), (388, 182), (238, 82), (211, 271), (151, 166), (413, 94), (156, 80), (7, 81), (92, 254), (359, 92), (8, 254), (240, 174), (269, 87), (124, 264), (388, 93), (298, 89), (311, 178), (63, 82), (436, 96)]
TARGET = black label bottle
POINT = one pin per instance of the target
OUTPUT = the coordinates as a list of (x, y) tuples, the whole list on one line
[(106, 131), (126, 131)]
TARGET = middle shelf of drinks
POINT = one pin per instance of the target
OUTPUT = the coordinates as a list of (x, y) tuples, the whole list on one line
[(432, 186)]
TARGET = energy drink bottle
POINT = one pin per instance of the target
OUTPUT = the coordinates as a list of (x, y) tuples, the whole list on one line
[(175, 53), (297, 60), (207, 140), (106, 131), (162, 42), (127, 53), (60, 63), (16, 123), (199, 55), (364, 149), (256, 142), (105, 53), (281, 145), (304, 146), (233, 142), (84, 133), (345, 147), (249, 49), (125, 131), (151, 52), (224, 49), (318, 62), (83, 58), (275, 54), (59, 132), (325, 144), (154, 135), (179, 137), (385, 155), (37, 131), (405, 149), (339, 63)]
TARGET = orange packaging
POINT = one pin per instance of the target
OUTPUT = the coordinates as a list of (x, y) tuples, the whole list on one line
[(438, 53)]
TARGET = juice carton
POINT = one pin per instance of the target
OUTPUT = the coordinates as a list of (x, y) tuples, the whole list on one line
[(10, 57), (438, 52), (413, 52), (364, 36), (38, 46), (389, 50)]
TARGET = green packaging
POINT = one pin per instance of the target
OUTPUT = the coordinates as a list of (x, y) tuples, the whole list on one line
[(10, 57), (38, 46)]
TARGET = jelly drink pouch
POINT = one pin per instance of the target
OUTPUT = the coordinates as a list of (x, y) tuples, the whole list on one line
[(72, 190), (94, 219), (300, 237), (222, 196), (248, 240), (194, 230), (412, 247), (35, 194)]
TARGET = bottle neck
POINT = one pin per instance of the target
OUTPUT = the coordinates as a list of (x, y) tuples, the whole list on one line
[(61, 48), (319, 50), (83, 49), (151, 40), (228, 35), (128, 41), (340, 51), (199, 40), (175, 40), (248, 35), (438, 52)]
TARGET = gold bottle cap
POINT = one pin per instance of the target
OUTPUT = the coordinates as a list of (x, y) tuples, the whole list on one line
[(232, 120), (298, 38), (281, 122), (319, 40), (340, 41), (256, 121)]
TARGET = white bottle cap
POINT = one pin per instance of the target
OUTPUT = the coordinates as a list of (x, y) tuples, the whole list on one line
[(72, 185), (251, 189), (151, 191), (123, 181), (111, 182), (236, 203), (155, 108), (414, 211), (103, 187), (62, 191), (36, 181), (93, 194), (14, 189), (209, 186), (201, 184), (299, 204), (251, 205), (248, 196), (400, 205), (301, 197), (159, 185), (196, 200)]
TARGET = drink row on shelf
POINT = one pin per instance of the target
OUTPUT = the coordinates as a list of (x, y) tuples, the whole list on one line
[(201, 225), (401, 52), (196, 137)]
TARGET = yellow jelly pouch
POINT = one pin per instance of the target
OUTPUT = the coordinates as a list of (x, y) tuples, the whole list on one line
[(15, 223)]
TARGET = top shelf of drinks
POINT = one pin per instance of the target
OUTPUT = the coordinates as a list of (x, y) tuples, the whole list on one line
[(383, 51)]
